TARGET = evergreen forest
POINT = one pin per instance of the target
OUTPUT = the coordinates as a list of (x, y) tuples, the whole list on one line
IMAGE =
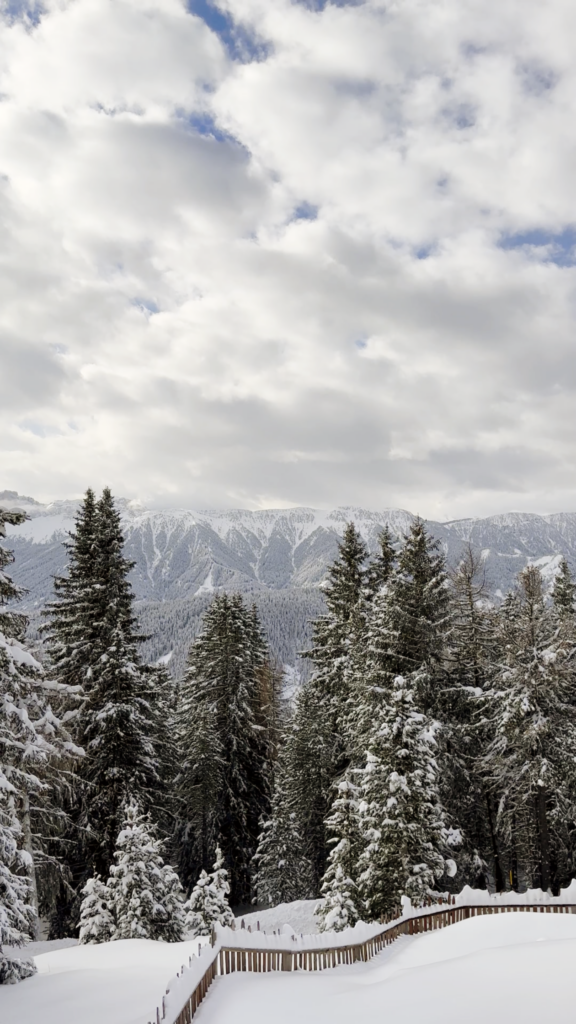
[(433, 745)]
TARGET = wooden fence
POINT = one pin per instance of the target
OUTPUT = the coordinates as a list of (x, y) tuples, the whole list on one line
[(230, 959)]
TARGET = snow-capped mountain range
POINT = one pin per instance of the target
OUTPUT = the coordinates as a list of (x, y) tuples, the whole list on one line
[(180, 553)]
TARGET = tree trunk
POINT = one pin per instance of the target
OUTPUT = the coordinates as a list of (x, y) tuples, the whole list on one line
[(498, 872), (30, 868), (514, 859), (543, 836)]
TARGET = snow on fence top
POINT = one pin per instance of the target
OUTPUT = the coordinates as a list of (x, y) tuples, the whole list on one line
[(181, 987), (531, 898)]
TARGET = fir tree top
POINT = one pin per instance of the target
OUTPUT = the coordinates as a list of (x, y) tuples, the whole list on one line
[(564, 591), (346, 575), (381, 567)]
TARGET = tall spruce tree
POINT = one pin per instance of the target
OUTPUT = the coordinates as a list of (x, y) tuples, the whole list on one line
[(405, 630), (406, 837), (419, 612), (530, 763), (321, 737), (34, 745), (471, 659), (331, 632), (92, 642), (381, 567), (224, 782), (564, 591), (283, 871)]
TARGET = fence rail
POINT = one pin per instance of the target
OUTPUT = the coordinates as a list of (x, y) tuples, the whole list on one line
[(228, 959)]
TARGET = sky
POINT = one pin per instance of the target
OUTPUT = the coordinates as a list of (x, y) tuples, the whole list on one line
[(264, 253)]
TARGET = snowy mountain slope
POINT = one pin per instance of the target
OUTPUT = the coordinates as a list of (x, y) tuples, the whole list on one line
[(278, 556), (181, 552)]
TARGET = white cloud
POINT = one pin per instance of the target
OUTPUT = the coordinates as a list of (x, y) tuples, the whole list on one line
[(283, 280)]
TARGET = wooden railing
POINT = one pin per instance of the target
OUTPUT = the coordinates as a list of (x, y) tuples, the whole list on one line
[(228, 959)]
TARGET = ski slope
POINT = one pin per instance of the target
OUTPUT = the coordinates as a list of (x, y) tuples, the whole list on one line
[(495, 969)]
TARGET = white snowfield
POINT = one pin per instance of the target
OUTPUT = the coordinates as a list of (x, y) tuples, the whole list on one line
[(113, 983), (517, 967), (498, 969)]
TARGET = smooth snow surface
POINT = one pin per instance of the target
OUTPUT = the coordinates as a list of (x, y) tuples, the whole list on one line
[(113, 983), (299, 915), (498, 969)]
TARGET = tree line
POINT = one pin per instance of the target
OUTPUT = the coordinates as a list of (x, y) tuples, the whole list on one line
[(432, 746)]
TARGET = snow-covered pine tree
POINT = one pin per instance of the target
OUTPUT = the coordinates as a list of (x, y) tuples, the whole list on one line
[(564, 591), (530, 764), (92, 639), (381, 567), (32, 742), (338, 909), (117, 735), (224, 783), (310, 742), (97, 922), (418, 605), (222, 886), (163, 700), (200, 908), (405, 624), (342, 906), (72, 625), (200, 779), (284, 872), (402, 819), (16, 913), (146, 893), (208, 904), (331, 633), (321, 740), (471, 659)]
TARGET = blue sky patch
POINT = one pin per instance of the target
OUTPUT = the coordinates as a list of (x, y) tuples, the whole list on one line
[(204, 124), (240, 43), (147, 306), (560, 246), (424, 252), (29, 11), (305, 211)]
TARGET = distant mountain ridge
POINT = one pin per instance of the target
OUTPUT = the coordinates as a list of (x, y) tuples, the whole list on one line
[(181, 553)]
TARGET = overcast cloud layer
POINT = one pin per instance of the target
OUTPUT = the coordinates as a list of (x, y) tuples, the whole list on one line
[(275, 253)]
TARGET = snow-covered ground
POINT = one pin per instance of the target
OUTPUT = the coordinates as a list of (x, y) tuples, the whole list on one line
[(114, 983), (299, 915), (502, 969)]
